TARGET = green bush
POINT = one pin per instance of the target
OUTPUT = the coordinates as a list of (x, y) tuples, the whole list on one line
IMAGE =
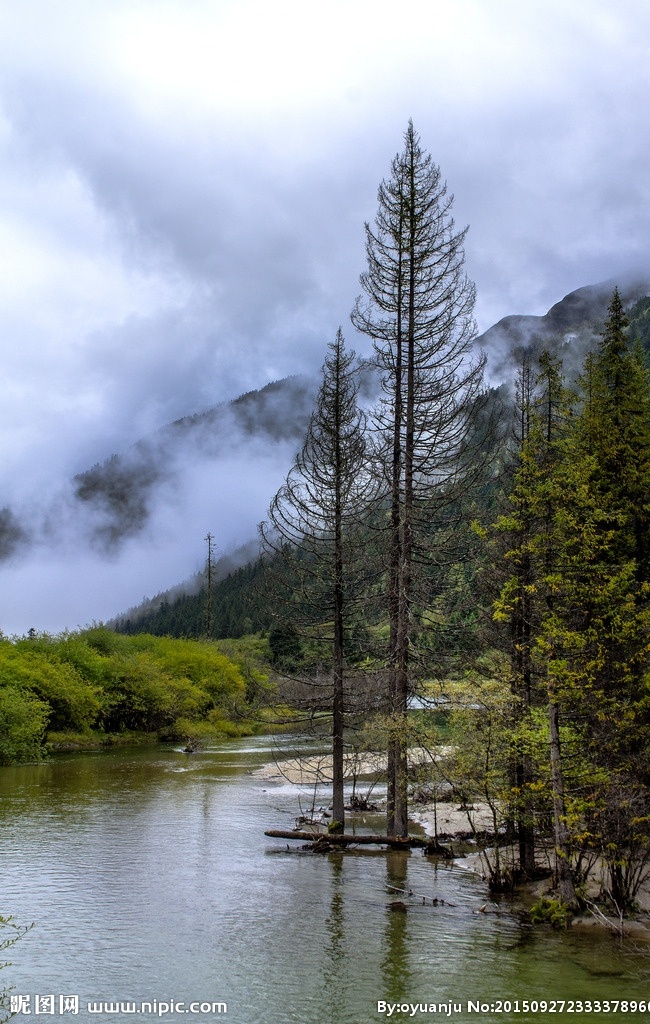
[(550, 911), (23, 720), (73, 702), (97, 680)]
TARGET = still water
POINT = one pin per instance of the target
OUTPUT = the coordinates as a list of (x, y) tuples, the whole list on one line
[(149, 881)]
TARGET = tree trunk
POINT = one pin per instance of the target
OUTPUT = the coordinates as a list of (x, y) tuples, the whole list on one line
[(562, 850), (338, 698), (337, 839)]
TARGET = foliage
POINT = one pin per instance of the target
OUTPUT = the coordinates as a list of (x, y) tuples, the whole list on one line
[(71, 700), (619, 828), (240, 606), (550, 911), (97, 681), (285, 647), (15, 932), (479, 711), (576, 603), (23, 720)]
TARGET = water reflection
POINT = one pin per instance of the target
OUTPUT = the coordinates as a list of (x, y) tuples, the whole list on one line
[(335, 950), (395, 960), (148, 876)]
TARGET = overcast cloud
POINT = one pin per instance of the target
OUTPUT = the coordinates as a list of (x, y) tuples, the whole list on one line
[(183, 187)]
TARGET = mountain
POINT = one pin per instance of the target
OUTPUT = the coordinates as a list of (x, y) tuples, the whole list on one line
[(120, 492), (569, 328), (134, 524)]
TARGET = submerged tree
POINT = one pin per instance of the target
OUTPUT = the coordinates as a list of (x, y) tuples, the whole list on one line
[(312, 534), (418, 309)]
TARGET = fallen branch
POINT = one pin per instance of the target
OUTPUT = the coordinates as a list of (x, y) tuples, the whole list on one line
[(339, 839), (616, 927)]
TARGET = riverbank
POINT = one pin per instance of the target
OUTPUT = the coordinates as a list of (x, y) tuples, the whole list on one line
[(316, 769), (459, 828), (447, 819), (57, 743), (452, 823), (198, 734)]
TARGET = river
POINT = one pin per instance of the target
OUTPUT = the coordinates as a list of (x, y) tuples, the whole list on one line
[(150, 883)]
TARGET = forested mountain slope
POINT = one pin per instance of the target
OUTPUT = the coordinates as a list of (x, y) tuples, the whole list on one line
[(239, 603)]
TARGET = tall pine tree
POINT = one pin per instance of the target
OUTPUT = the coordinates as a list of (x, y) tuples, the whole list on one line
[(418, 309)]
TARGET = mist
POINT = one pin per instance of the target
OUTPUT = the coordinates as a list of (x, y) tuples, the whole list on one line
[(139, 519), (183, 190)]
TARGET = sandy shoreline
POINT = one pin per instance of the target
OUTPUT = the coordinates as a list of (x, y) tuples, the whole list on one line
[(449, 819), (316, 769)]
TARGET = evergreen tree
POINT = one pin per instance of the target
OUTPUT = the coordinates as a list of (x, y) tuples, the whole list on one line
[(532, 599), (573, 601), (313, 526), (615, 430), (615, 425), (521, 623), (418, 309)]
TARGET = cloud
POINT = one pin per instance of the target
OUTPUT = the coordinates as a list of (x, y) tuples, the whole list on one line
[(183, 189)]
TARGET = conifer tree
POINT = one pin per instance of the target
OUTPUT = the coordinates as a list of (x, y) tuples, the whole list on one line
[(521, 622), (573, 581), (615, 425), (418, 310), (313, 526), (530, 596)]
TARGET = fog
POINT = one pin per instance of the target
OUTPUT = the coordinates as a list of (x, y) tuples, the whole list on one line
[(183, 189)]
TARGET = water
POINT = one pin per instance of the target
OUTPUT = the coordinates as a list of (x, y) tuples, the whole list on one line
[(148, 878)]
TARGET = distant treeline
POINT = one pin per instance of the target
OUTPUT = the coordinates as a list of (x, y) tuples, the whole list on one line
[(239, 607)]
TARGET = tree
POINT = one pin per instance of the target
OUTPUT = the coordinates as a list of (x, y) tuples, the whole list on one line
[(209, 573), (615, 427), (313, 524), (532, 598), (418, 310), (577, 614), (14, 933), (514, 532)]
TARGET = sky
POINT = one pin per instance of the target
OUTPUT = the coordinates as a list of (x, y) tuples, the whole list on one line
[(183, 189)]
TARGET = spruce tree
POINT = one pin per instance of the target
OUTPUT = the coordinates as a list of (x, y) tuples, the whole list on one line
[(615, 424), (530, 598), (574, 605)]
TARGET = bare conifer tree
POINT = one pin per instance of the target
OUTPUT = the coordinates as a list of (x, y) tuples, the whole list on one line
[(313, 526), (418, 309)]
